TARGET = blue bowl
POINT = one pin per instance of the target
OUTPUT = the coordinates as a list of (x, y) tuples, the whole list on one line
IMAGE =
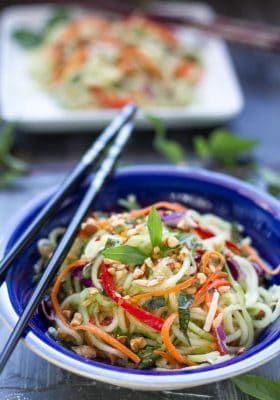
[(205, 191)]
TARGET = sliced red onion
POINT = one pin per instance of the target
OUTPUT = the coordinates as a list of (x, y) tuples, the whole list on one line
[(46, 310), (173, 218), (221, 338), (78, 273), (258, 269), (235, 269)]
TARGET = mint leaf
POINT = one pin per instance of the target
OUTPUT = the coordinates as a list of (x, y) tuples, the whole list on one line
[(28, 38), (272, 181), (223, 146), (155, 227), (184, 302), (169, 149), (201, 147), (257, 386), (10, 167), (6, 139), (130, 203), (125, 254), (154, 303)]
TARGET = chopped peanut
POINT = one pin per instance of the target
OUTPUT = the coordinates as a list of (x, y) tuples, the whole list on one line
[(172, 242), (149, 262), (66, 313), (137, 343), (89, 227), (138, 273), (120, 274), (156, 250), (77, 319), (85, 351), (112, 271)]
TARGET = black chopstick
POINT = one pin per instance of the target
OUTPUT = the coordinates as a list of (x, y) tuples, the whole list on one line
[(67, 240), (75, 178), (243, 32)]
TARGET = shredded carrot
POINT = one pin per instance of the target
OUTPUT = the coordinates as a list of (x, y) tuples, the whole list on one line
[(165, 334), (76, 59), (206, 259), (163, 292), (183, 69), (200, 295), (168, 358), (160, 204), (253, 256), (110, 340), (56, 286)]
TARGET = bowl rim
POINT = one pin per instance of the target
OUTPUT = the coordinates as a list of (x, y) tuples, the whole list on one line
[(142, 380)]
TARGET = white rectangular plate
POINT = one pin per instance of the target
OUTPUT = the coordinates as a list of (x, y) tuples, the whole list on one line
[(217, 98)]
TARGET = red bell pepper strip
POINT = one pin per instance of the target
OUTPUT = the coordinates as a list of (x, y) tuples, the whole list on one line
[(140, 314), (206, 234), (203, 233)]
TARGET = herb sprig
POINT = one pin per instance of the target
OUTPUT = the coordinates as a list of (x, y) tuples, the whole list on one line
[(223, 147), (259, 387), (155, 227), (184, 302), (29, 38), (169, 149), (125, 254), (10, 166)]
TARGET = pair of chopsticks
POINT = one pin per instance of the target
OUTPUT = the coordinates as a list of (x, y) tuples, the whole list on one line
[(120, 129), (243, 32)]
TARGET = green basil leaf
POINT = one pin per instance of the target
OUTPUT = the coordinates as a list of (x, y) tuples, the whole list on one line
[(223, 146), (27, 38), (184, 302), (125, 254), (257, 386), (272, 181), (6, 140), (154, 303), (155, 227), (148, 357), (130, 203), (235, 232)]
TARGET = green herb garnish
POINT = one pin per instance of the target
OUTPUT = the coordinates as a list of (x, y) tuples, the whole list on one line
[(10, 167), (235, 232), (130, 203), (125, 254), (271, 180), (148, 357), (169, 149), (155, 227), (223, 146), (257, 386), (29, 38), (154, 303), (184, 302)]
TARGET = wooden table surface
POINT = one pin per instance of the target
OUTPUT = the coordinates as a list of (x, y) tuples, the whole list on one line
[(27, 377)]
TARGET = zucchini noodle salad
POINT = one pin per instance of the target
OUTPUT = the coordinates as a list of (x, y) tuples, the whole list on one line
[(162, 287), (97, 62)]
